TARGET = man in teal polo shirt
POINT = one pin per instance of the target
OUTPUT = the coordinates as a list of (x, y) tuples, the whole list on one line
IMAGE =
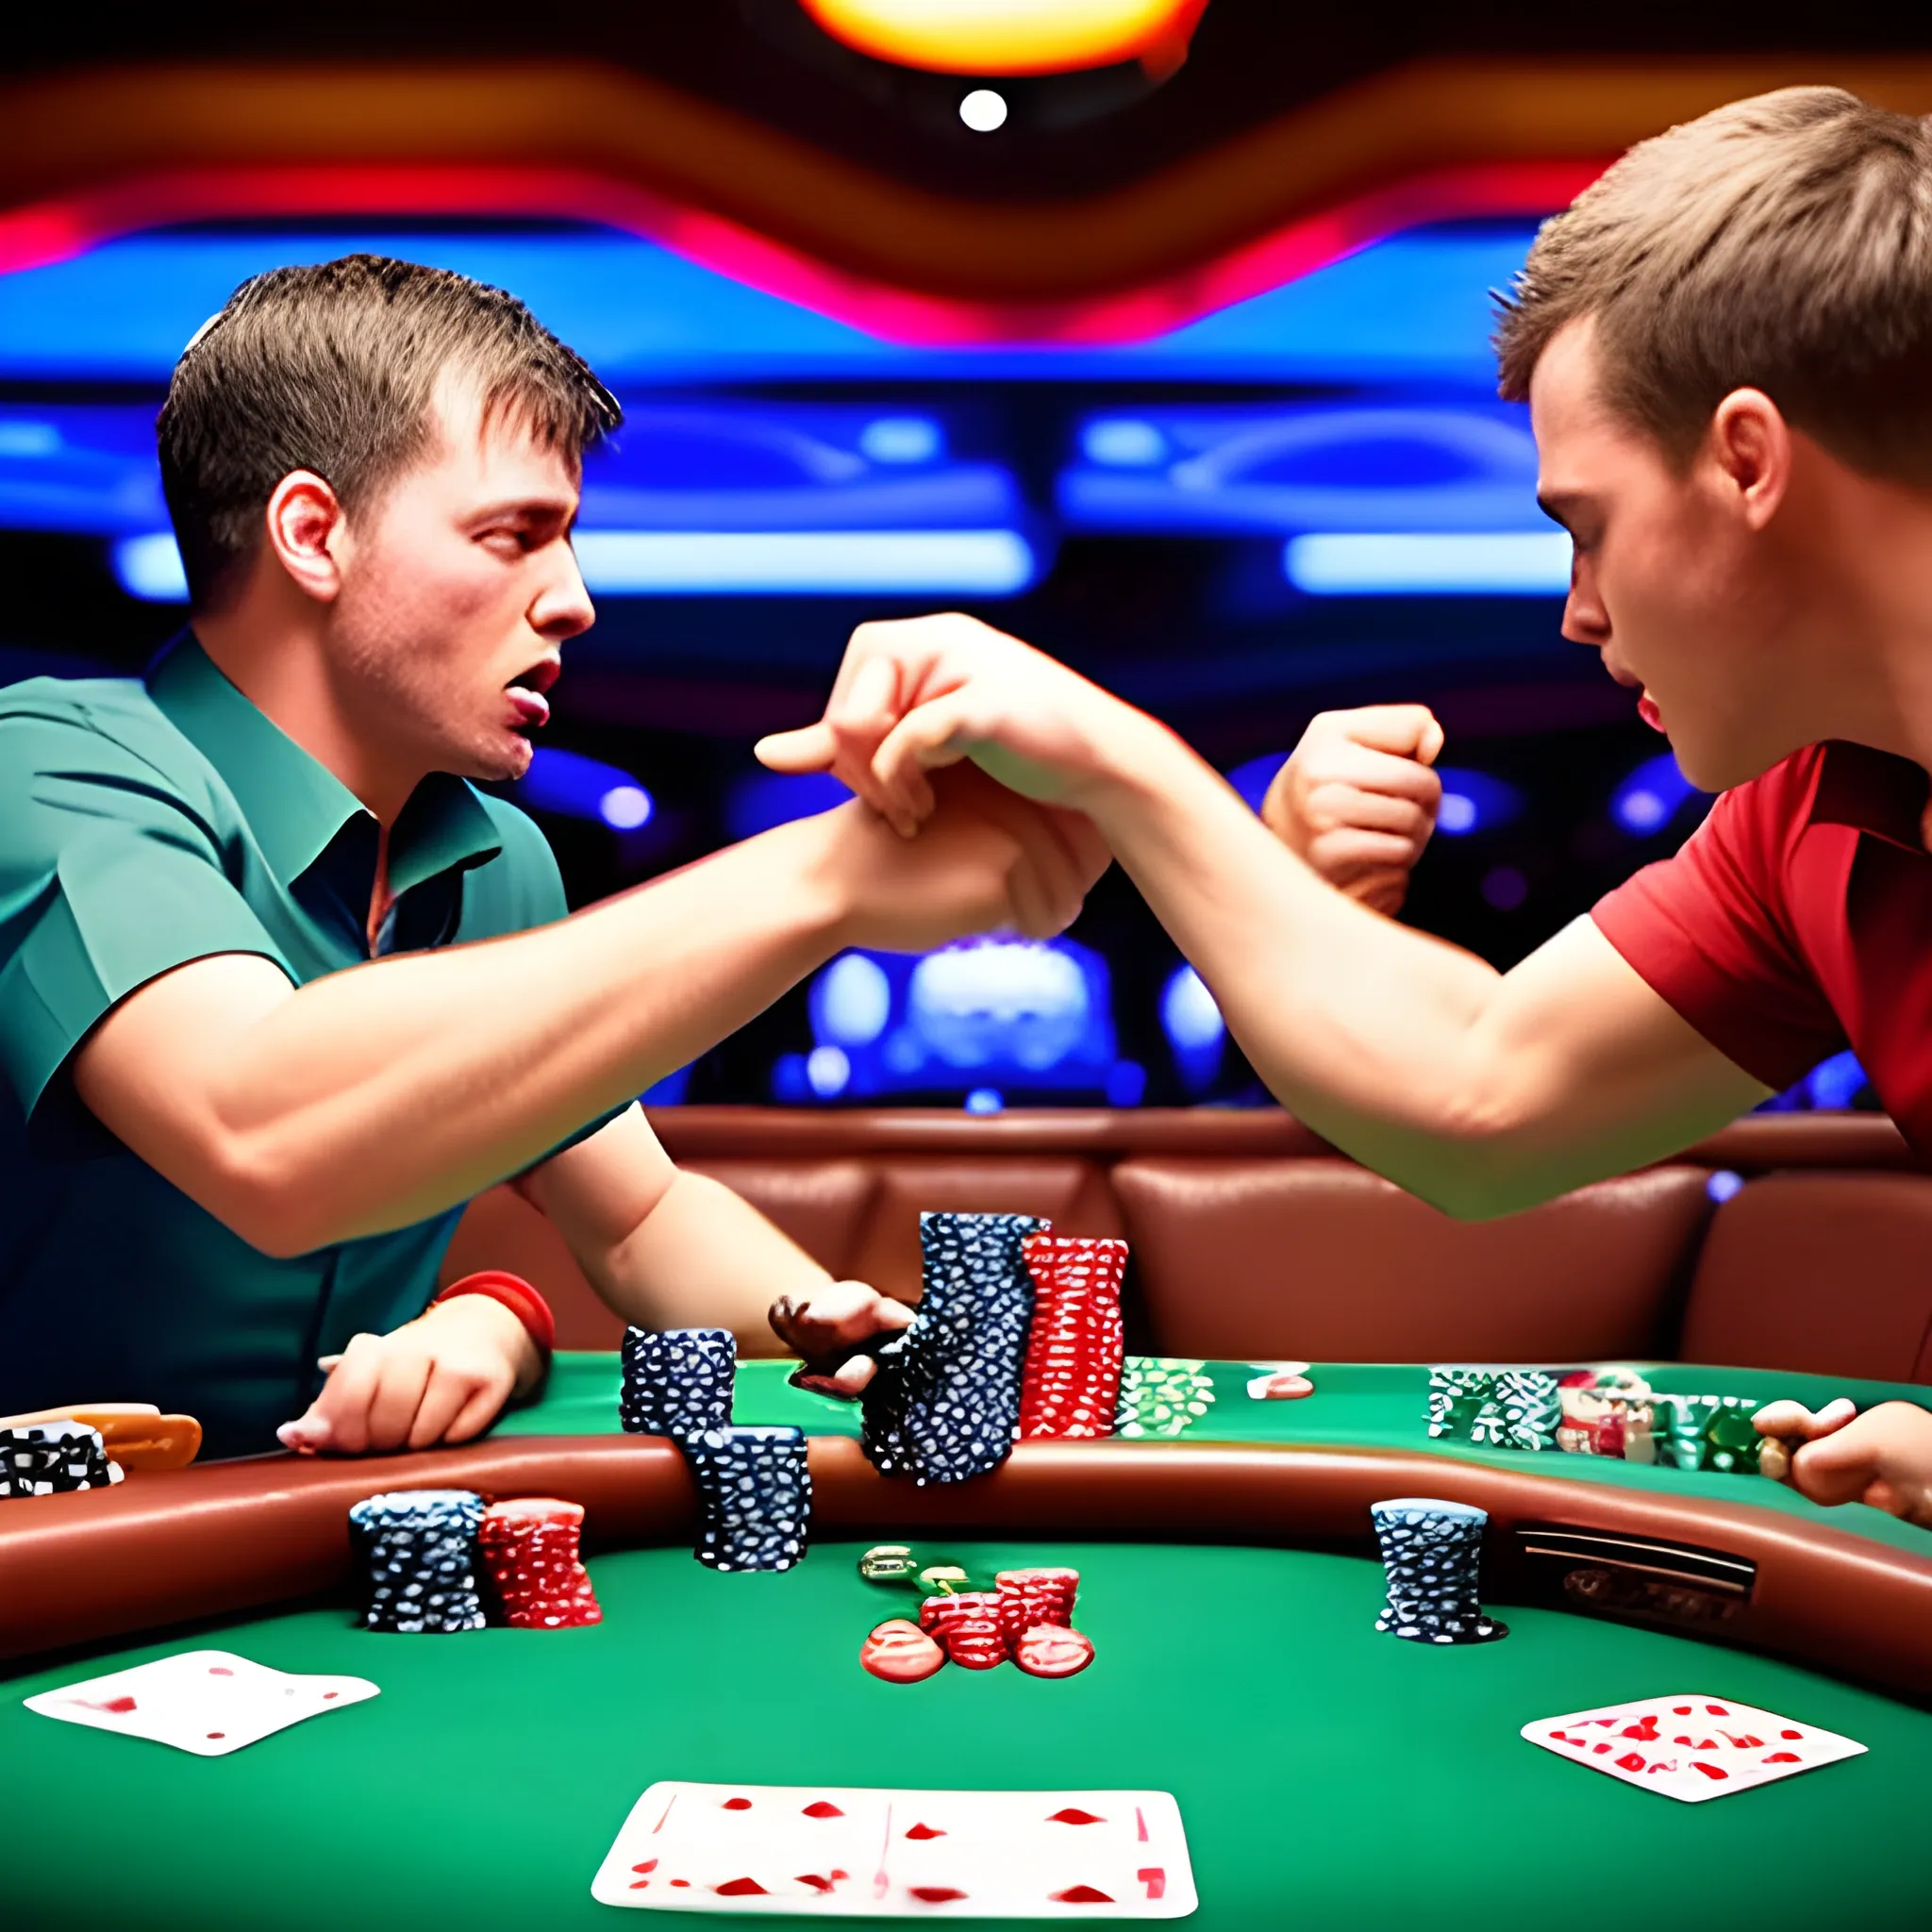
[(280, 990)]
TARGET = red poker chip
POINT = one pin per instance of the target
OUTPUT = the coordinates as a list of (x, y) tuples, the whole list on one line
[(900, 1652), (1051, 1650)]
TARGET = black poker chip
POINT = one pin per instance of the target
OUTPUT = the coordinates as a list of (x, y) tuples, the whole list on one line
[(753, 1496), (1432, 1556), (418, 1550), (53, 1458), (944, 1405), (676, 1382)]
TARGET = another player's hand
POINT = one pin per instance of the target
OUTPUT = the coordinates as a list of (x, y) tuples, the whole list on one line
[(986, 860), (823, 1327), (440, 1379), (1357, 800), (1883, 1457), (915, 693)]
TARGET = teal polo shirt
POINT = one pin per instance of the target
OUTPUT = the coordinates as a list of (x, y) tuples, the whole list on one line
[(144, 823)]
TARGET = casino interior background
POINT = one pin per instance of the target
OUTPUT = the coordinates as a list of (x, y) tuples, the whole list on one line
[(1171, 358)]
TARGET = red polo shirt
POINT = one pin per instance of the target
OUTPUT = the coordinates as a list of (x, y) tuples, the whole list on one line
[(1796, 921)]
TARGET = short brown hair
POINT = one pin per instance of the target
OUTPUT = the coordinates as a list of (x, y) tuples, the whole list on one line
[(1783, 243), (334, 368)]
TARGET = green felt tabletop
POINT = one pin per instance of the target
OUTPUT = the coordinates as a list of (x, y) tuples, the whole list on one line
[(1378, 1405), (1328, 1777)]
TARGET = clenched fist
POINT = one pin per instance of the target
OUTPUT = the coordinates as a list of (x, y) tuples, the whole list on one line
[(1357, 799)]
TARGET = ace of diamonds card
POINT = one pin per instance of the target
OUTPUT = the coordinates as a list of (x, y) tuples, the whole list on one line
[(1691, 1746), (850, 1854)]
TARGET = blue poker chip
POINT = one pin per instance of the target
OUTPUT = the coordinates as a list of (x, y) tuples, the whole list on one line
[(418, 1552), (755, 1498), (677, 1382)]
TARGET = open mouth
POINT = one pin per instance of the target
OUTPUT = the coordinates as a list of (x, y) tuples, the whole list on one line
[(527, 691)]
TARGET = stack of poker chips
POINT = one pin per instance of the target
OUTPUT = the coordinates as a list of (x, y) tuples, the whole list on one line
[(1161, 1395), (1432, 1553), (530, 1552), (945, 1404), (1607, 1412), (419, 1551), (676, 1382), (1028, 1597), (1708, 1432), (52, 1458), (1456, 1398), (1071, 1380), (755, 1498)]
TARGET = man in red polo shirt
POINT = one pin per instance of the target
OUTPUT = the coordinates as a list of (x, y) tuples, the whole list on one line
[(1726, 349)]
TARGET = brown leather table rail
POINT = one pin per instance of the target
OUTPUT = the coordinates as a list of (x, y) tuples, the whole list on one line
[(1253, 1238), (239, 1536)]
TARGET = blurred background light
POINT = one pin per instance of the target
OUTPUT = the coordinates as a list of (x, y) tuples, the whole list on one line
[(578, 786), (1195, 1031), (1652, 796), (633, 563), (762, 799), (1724, 1185), (903, 440), (851, 1001), (1506, 563), (149, 567), (983, 111), (1475, 802)]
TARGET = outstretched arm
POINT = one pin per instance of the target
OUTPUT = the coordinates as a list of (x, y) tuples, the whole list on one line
[(1479, 1092)]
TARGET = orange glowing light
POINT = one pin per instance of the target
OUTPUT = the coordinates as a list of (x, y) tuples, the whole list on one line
[(1014, 37)]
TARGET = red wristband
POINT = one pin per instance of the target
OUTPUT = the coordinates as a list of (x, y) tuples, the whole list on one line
[(517, 1295)]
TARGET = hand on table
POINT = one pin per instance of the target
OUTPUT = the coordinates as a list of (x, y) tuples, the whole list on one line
[(440, 1379), (1883, 1457), (1356, 801), (915, 693), (824, 1326)]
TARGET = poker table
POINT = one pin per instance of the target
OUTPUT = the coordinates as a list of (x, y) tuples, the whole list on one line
[(1327, 1777)]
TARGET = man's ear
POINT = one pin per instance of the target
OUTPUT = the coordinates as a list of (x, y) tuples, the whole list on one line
[(1750, 443), (305, 533)]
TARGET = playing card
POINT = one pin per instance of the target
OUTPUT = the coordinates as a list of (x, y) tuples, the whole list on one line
[(838, 1852), (1691, 1746), (210, 1702)]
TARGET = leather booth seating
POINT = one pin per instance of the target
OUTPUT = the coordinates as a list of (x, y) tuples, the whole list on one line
[(1252, 1239)]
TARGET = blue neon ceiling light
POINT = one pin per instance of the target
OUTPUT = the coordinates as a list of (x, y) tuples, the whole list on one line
[(1398, 563), (1414, 306)]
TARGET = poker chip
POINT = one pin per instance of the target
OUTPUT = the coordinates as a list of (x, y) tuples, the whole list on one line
[(899, 1652), (944, 1405), (1070, 1382), (530, 1553), (1051, 1650), (419, 1554), (1432, 1556), (967, 1627), (53, 1459), (1458, 1397), (677, 1382), (1027, 1597), (1162, 1395), (1524, 1410), (1708, 1432), (753, 1495)]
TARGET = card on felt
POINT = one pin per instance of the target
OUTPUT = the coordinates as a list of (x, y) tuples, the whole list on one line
[(843, 1852), (1691, 1746), (210, 1702)]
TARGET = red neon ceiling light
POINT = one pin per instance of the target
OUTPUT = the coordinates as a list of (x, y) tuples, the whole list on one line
[(50, 231)]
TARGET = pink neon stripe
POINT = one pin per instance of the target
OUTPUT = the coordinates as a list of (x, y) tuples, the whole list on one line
[(52, 231)]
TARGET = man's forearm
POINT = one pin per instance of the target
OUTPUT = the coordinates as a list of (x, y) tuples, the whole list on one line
[(466, 1065), (1478, 1091), (704, 1258)]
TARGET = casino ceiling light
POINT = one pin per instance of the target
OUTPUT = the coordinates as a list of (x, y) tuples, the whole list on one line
[(753, 563), (1498, 563), (1014, 37)]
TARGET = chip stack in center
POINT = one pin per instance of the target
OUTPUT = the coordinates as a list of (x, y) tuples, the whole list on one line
[(1432, 1556), (1071, 1380), (755, 1498), (419, 1557), (945, 1403)]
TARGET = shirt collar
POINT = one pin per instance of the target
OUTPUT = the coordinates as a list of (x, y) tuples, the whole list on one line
[(1874, 791), (294, 804)]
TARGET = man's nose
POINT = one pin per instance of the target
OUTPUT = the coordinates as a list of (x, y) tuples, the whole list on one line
[(563, 610)]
